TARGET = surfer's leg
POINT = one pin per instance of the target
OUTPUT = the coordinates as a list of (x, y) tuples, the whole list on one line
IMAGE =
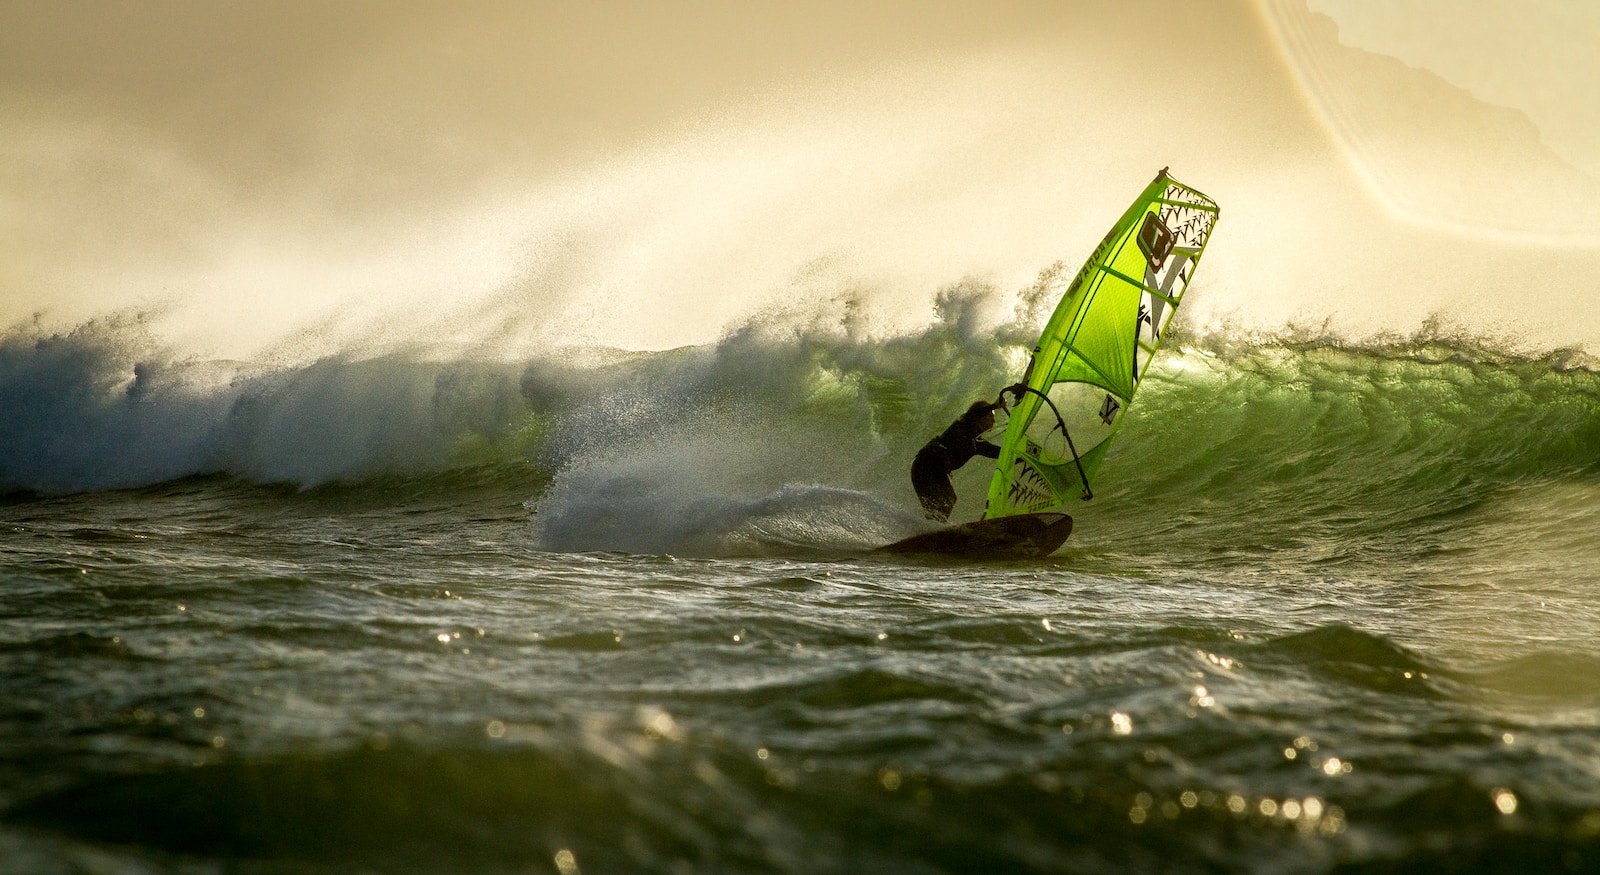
[(939, 501), (932, 483)]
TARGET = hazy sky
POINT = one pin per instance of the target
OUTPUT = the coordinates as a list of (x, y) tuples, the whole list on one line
[(1536, 56), (646, 174), (1486, 121)]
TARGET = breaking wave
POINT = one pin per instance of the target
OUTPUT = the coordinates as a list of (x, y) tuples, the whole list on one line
[(796, 430)]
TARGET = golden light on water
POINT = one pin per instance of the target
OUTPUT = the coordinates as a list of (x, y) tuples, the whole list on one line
[(1505, 801), (1308, 815)]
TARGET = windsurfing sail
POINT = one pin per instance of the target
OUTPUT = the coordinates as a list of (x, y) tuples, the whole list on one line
[(1096, 347)]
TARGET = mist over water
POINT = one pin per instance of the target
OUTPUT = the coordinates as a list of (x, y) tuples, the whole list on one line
[(891, 177)]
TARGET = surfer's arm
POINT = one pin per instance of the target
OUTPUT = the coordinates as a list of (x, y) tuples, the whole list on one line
[(987, 449)]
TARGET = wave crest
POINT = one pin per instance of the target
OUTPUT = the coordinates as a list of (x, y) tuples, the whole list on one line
[(798, 429)]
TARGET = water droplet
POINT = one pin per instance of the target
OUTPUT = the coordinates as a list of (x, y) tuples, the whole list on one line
[(1505, 800), (659, 723)]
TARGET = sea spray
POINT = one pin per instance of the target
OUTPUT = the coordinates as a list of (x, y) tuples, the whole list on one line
[(104, 407)]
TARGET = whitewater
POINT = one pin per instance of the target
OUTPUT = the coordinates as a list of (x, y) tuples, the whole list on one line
[(1331, 609)]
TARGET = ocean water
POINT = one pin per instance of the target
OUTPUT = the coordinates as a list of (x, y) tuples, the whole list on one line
[(1334, 608)]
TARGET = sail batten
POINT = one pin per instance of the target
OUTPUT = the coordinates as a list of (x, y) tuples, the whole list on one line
[(1109, 383), (1096, 347), (1205, 208), (1115, 274)]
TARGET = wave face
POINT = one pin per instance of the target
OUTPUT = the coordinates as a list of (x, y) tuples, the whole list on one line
[(796, 432), (1341, 453)]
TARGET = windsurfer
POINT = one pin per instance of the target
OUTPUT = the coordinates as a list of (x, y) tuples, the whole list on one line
[(954, 447)]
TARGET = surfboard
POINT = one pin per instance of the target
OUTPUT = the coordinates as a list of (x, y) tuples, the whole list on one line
[(1091, 356), (1024, 536)]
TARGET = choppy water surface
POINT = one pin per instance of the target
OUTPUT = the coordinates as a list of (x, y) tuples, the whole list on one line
[(1331, 610)]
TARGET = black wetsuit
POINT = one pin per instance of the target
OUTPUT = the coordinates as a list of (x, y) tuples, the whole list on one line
[(954, 447)]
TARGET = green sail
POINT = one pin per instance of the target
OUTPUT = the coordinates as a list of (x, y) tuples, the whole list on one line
[(1096, 347)]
